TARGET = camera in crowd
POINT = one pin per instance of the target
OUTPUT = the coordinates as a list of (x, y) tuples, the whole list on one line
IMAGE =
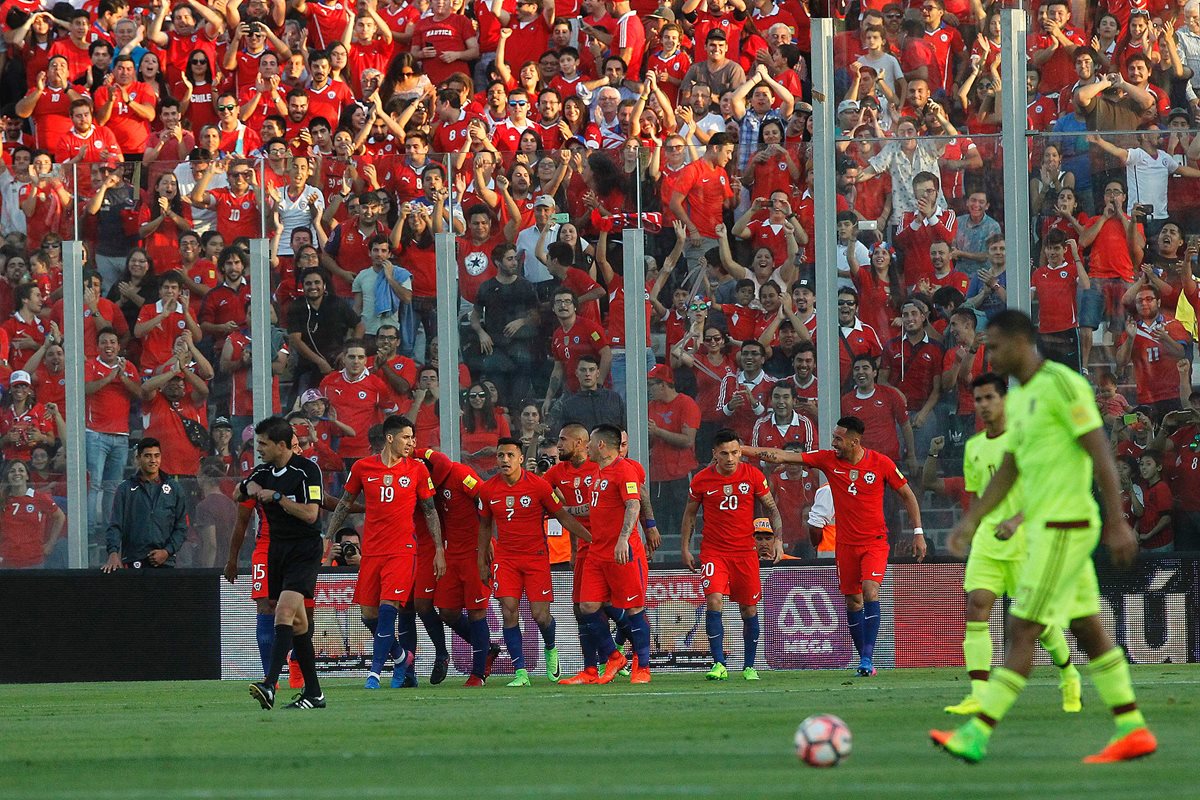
[(346, 550)]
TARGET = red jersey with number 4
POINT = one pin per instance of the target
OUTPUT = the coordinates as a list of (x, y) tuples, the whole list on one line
[(728, 505), (858, 492), (519, 511), (612, 487), (391, 495)]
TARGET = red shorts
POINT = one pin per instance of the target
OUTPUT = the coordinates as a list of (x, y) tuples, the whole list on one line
[(513, 575), (859, 562), (581, 556), (460, 587), (623, 585), (734, 575), (385, 578), (424, 583), (258, 574)]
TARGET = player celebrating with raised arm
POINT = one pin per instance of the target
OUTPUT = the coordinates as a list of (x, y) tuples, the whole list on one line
[(516, 501), (289, 490), (997, 553), (857, 477), (392, 485), (616, 570), (726, 490), (1057, 447)]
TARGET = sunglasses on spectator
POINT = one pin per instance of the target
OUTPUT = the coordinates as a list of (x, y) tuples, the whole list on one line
[(514, 103), (847, 303), (199, 61), (226, 108), (477, 395), (245, 174)]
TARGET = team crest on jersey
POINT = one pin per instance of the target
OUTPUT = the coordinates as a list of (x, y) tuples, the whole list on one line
[(853, 474), (525, 501), (728, 489), (475, 263), (404, 481), (362, 395), (29, 509), (869, 477), (603, 484), (743, 487), (509, 502), (387, 480)]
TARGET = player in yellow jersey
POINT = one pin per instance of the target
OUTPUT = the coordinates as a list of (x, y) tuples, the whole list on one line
[(997, 552), (1057, 446)]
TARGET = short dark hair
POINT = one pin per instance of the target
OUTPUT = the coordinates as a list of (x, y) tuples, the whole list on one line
[(726, 435), (509, 440), (396, 423), (562, 253), (853, 425), (962, 312), (864, 357), (1011, 322), (146, 442), (276, 429), (991, 379), (609, 434)]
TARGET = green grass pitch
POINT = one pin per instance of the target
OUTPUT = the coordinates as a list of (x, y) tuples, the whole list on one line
[(677, 737)]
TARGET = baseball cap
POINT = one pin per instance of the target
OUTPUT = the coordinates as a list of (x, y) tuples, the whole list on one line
[(847, 105), (802, 108), (310, 395), (661, 372), (716, 33), (804, 283), (1179, 112), (222, 422), (663, 13), (544, 201), (20, 376), (763, 525)]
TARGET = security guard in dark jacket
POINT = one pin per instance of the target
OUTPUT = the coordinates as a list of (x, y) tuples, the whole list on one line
[(149, 516)]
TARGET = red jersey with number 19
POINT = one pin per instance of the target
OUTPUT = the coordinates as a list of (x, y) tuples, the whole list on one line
[(391, 495), (728, 504), (858, 492), (518, 511), (612, 487)]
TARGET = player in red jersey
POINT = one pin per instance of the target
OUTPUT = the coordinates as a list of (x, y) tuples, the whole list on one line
[(516, 502), (727, 490), (856, 477), (572, 479), (393, 485), (615, 570), (461, 597)]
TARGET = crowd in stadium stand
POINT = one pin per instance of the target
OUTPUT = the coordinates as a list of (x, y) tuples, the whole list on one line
[(166, 135)]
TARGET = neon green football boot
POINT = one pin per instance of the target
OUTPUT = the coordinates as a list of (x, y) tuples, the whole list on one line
[(520, 679), (717, 673)]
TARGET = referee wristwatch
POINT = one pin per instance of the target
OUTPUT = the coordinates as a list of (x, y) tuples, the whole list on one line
[(276, 497)]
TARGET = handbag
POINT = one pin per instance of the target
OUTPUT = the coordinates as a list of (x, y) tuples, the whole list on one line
[(197, 434)]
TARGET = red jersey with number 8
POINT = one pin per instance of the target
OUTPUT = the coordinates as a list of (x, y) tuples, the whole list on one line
[(728, 504), (858, 492), (391, 495)]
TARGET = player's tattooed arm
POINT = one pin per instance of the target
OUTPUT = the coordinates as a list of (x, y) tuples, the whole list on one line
[(768, 502), (435, 532), (686, 526), (621, 551), (339, 515), (653, 537)]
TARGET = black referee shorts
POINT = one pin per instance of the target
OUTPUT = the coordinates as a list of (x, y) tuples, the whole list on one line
[(292, 566)]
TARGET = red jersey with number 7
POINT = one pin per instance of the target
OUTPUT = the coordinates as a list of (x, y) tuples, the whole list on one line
[(390, 494), (728, 505), (519, 510), (858, 492)]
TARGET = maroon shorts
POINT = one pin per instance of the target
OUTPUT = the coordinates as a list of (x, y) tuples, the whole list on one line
[(734, 575), (460, 587), (385, 578), (623, 585), (513, 575), (860, 562)]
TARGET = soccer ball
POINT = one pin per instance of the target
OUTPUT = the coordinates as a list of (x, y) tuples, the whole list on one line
[(822, 740)]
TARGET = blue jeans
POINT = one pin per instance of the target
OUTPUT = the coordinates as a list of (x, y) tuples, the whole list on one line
[(107, 455), (617, 370)]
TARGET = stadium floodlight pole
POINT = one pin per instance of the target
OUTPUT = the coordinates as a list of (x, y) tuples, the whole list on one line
[(825, 214), (262, 355), (448, 343), (74, 414), (1014, 103), (636, 398)]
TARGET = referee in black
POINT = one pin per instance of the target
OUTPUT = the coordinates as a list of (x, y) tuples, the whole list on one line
[(288, 489)]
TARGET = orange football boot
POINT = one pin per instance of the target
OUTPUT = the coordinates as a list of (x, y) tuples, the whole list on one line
[(587, 675), (614, 664), (1137, 743)]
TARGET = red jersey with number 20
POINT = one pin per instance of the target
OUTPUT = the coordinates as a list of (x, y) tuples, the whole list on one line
[(858, 492), (612, 487), (518, 511), (390, 494), (728, 504)]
